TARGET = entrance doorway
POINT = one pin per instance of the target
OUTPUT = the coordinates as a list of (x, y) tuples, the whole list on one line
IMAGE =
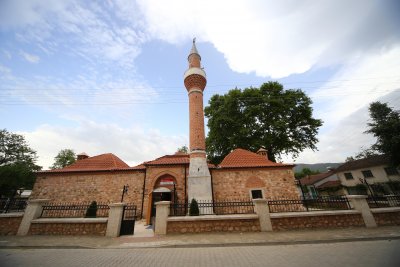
[(164, 189), (159, 194)]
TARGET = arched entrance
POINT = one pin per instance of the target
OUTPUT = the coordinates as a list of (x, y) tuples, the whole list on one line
[(164, 190)]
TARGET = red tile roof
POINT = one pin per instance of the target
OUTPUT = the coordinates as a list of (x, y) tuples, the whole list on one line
[(104, 162), (170, 160), (139, 167), (176, 159), (329, 184), (241, 158), (311, 179)]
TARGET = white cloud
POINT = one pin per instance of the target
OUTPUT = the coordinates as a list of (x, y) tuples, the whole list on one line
[(270, 38), (132, 144), (4, 71), (87, 29), (7, 54), (342, 103), (29, 57), (346, 137), (274, 38), (90, 94), (357, 84)]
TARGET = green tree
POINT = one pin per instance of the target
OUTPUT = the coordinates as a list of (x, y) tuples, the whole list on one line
[(183, 149), (91, 210), (385, 126), (279, 120), (17, 163), (64, 157), (194, 208)]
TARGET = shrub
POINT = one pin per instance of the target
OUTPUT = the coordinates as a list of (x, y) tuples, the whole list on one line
[(194, 208), (92, 210)]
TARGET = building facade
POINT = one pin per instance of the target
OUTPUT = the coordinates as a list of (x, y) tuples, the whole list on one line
[(373, 175), (177, 178)]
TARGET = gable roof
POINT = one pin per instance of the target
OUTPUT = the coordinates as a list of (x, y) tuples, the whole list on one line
[(241, 158), (364, 163), (312, 179), (329, 184), (104, 162), (178, 158)]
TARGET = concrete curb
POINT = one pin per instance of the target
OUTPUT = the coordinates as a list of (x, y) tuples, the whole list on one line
[(206, 245)]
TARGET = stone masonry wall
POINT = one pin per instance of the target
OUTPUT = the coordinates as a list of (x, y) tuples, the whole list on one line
[(68, 229), (307, 222), (86, 187), (236, 183), (387, 218), (9, 225), (242, 225)]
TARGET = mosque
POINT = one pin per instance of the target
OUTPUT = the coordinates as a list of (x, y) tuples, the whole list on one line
[(242, 174)]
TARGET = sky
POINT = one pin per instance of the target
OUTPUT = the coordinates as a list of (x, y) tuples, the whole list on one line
[(107, 76)]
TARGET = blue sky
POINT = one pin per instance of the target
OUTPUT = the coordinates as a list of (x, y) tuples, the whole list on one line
[(107, 76)]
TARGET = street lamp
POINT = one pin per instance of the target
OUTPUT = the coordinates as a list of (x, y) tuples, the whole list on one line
[(124, 191)]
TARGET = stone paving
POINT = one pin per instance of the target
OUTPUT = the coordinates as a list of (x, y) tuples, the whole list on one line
[(359, 253), (201, 240)]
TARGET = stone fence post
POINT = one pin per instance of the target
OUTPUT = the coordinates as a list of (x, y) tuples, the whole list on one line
[(262, 210), (114, 219), (32, 211), (162, 212), (359, 202)]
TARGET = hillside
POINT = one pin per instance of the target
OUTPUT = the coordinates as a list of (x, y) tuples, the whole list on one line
[(321, 167)]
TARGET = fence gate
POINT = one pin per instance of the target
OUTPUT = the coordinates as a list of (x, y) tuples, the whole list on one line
[(128, 220)]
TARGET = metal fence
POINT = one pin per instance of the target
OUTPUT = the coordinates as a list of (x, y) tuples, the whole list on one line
[(314, 204), (219, 207), (129, 212), (12, 204), (383, 201), (72, 210)]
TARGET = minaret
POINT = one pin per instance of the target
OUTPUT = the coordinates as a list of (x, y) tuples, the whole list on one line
[(199, 179)]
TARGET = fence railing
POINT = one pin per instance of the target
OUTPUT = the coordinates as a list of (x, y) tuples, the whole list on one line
[(383, 201), (12, 204), (129, 212), (315, 204), (72, 210), (224, 207)]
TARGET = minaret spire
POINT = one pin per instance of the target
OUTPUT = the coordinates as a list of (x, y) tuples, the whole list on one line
[(199, 179), (194, 49)]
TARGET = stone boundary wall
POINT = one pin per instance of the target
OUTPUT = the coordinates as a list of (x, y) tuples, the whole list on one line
[(213, 223), (386, 216), (314, 220), (70, 226), (360, 216), (9, 223)]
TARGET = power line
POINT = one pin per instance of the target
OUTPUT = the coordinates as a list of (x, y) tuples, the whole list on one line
[(230, 84)]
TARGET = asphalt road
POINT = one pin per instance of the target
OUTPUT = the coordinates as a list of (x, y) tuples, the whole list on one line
[(383, 253)]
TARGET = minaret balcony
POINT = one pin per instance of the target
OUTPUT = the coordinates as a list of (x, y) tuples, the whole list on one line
[(197, 71)]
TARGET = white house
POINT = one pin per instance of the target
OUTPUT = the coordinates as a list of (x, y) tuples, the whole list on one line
[(370, 175)]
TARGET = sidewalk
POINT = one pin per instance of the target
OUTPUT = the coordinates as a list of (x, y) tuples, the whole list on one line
[(205, 240)]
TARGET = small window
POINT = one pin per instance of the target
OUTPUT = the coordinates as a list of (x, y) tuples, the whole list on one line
[(391, 171), (256, 194), (367, 174), (348, 176)]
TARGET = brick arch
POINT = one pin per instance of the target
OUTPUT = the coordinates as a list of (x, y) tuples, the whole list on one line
[(160, 175), (254, 182)]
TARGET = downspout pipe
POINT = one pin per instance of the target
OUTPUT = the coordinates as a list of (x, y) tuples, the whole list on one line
[(144, 187)]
